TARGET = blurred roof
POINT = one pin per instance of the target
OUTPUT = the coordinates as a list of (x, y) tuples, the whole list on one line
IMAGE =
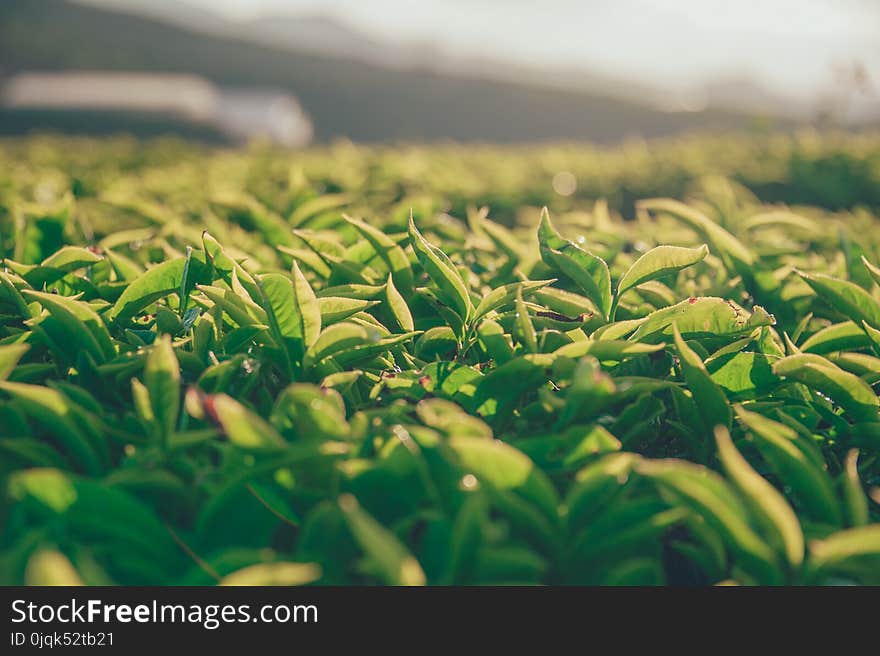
[(240, 113), (190, 95)]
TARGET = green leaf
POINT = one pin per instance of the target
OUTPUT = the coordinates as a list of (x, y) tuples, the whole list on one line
[(83, 328), (55, 411), (855, 500), (590, 391), (363, 352), (607, 349), (10, 293), (241, 310), (711, 402), (846, 297), (162, 380), (393, 255), (778, 443), (767, 503), (337, 308), (873, 334), (658, 262), (505, 294), (98, 515), (156, 282), (739, 258), (241, 426), (59, 264), (397, 304), (712, 498), (744, 374), (837, 337), (321, 251), (185, 286), (626, 526), (504, 240), (874, 271), (507, 383), (784, 220), (339, 337), (307, 303), (595, 485), (240, 206), (310, 413), (293, 311), (439, 341), (492, 340), (863, 365), (143, 406), (315, 206), (70, 258), (279, 573), (847, 390), (569, 449), (467, 534), (450, 286), (353, 291), (50, 567), (564, 302), (845, 547), (10, 354), (391, 557), (702, 317), (588, 271), (617, 329), (524, 331), (505, 468), (450, 418)]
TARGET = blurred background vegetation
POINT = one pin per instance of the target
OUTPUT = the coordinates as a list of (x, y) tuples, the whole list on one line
[(122, 180)]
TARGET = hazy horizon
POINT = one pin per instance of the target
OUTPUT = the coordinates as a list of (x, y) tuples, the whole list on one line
[(801, 49)]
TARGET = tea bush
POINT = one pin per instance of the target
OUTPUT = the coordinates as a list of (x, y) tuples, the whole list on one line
[(361, 365)]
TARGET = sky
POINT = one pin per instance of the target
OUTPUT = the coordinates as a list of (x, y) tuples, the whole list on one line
[(793, 47)]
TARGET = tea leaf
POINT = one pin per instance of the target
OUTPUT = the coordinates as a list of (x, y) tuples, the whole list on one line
[(396, 564), (711, 402), (80, 322), (155, 283), (768, 504), (778, 444), (399, 308), (849, 391), (392, 254), (658, 262), (241, 426), (273, 574), (709, 496), (702, 317), (449, 283), (162, 380), (588, 271), (847, 297)]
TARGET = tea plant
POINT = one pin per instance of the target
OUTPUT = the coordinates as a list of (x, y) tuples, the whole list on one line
[(274, 368)]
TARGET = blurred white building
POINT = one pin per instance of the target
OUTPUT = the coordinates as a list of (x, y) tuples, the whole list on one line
[(240, 113)]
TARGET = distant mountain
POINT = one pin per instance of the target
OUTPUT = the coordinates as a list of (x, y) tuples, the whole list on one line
[(318, 34), (312, 33), (346, 97), (744, 94), (327, 35), (176, 12), (323, 34)]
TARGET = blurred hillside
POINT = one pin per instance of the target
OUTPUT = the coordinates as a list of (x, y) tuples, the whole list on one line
[(344, 97)]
